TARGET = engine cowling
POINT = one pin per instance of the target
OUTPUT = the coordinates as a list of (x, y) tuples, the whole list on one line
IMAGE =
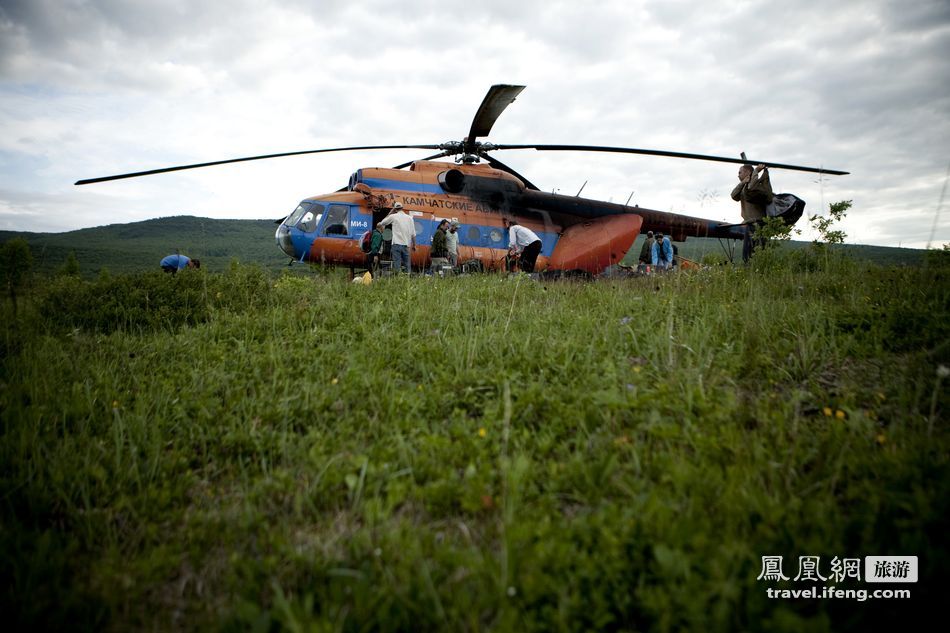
[(452, 180)]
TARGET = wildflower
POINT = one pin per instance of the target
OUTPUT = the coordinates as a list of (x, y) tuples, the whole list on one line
[(115, 404), (881, 396), (943, 371), (482, 432), (512, 592), (334, 381), (880, 438), (636, 370), (827, 411), (839, 414)]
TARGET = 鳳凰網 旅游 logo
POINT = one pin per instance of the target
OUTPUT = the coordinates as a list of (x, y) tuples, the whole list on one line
[(879, 569)]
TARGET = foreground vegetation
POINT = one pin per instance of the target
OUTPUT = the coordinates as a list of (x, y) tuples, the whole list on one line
[(243, 451)]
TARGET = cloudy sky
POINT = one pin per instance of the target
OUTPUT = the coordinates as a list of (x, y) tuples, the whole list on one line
[(96, 87)]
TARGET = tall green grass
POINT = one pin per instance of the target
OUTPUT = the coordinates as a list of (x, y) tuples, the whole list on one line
[(241, 451)]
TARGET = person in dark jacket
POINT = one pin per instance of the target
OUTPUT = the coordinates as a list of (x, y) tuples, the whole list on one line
[(375, 248), (439, 253), (753, 193), (647, 250)]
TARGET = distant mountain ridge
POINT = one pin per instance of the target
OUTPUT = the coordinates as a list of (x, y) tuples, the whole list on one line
[(139, 246)]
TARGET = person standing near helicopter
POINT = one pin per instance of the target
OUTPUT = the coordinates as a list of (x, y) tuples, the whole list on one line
[(524, 243), (452, 242), (752, 193), (375, 249), (404, 236), (439, 252), (661, 255)]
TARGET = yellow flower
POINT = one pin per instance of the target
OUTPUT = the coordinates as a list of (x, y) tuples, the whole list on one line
[(334, 381), (115, 404), (482, 432), (880, 438), (636, 370), (839, 414), (881, 396), (827, 411)]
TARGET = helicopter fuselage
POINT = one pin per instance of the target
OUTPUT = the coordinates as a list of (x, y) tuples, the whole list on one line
[(576, 233)]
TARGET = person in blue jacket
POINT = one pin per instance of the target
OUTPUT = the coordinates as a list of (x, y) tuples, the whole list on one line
[(173, 263), (662, 255)]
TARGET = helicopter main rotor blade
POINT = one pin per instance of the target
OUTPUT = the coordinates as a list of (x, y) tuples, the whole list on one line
[(657, 152), (89, 181), (498, 97), (497, 164)]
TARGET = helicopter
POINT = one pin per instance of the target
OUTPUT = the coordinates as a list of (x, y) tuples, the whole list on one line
[(479, 192)]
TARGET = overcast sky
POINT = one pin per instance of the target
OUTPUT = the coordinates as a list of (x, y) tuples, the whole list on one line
[(98, 87)]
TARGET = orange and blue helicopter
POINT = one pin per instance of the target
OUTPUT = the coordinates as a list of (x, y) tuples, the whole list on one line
[(577, 234)]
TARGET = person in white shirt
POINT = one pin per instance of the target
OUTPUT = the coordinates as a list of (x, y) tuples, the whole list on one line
[(524, 243), (404, 236), (452, 242)]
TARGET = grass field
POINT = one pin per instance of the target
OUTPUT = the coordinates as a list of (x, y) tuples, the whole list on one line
[(239, 451)]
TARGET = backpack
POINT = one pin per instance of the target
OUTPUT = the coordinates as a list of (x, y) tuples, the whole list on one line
[(787, 206)]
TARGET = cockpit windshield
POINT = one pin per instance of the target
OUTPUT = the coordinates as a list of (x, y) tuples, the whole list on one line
[(294, 217), (306, 216)]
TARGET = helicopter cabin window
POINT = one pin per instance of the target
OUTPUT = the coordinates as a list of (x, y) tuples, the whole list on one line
[(338, 219), (308, 223)]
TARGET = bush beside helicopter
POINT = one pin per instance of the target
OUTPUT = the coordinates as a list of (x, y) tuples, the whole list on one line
[(576, 233)]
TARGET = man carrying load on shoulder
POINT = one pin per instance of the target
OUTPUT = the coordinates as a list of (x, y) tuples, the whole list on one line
[(753, 193)]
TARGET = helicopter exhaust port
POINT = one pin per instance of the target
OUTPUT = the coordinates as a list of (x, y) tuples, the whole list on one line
[(452, 180)]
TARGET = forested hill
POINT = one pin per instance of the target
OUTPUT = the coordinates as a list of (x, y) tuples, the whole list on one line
[(139, 246)]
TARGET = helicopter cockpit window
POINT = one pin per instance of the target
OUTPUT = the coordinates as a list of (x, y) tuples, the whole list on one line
[(308, 223), (338, 219), (294, 217)]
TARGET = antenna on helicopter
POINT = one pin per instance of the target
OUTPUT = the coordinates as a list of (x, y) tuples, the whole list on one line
[(578, 194)]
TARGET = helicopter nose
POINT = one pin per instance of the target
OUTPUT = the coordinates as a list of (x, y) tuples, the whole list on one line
[(284, 242)]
